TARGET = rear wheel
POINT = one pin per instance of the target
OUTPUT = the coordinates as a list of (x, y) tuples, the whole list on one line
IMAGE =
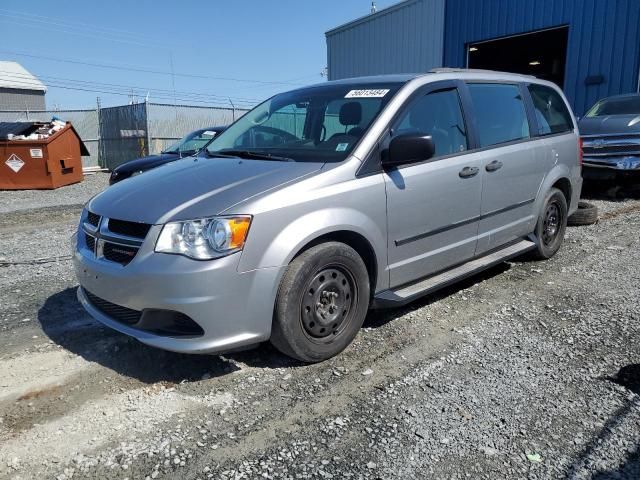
[(551, 226), (322, 302)]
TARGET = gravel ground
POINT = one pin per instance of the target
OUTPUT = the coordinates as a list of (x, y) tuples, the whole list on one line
[(531, 370), (77, 195)]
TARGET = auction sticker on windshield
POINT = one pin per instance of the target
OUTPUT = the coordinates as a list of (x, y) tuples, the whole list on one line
[(376, 93)]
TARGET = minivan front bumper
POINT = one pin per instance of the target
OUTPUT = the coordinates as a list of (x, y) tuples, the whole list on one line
[(233, 309)]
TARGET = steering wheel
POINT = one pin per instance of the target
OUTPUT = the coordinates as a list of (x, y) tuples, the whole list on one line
[(286, 136)]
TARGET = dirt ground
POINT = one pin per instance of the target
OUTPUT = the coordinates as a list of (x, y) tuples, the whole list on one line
[(531, 370)]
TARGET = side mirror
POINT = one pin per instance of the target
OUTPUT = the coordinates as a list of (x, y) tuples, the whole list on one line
[(409, 148)]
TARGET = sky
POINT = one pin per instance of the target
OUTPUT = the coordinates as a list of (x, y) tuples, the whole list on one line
[(243, 50)]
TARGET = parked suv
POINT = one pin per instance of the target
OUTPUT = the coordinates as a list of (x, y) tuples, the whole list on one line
[(611, 137), (325, 201)]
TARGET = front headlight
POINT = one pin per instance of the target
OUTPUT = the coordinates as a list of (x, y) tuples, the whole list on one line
[(205, 238)]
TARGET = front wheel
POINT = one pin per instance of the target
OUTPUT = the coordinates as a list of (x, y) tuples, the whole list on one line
[(322, 302), (551, 225)]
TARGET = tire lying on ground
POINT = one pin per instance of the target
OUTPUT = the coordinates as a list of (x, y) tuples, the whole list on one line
[(586, 214)]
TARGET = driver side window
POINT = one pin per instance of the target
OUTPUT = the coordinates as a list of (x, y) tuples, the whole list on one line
[(439, 115)]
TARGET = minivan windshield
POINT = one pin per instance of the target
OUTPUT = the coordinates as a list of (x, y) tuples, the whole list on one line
[(315, 124), (616, 106)]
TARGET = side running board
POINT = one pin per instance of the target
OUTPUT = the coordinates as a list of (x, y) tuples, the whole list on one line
[(408, 293)]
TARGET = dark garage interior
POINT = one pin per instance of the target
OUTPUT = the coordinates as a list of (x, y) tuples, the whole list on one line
[(542, 54)]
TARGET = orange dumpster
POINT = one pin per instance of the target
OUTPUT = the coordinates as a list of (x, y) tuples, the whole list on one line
[(40, 156)]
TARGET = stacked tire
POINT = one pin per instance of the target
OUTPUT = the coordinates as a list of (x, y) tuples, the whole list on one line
[(586, 214)]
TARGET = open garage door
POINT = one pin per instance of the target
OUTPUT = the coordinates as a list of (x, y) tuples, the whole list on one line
[(542, 53)]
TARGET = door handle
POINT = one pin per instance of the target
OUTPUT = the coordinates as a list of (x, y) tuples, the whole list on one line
[(493, 166), (468, 172)]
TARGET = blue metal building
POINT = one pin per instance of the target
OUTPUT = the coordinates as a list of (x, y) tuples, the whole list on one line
[(590, 47)]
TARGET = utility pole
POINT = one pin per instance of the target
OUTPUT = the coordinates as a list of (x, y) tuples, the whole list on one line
[(100, 153), (173, 84), (233, 110)]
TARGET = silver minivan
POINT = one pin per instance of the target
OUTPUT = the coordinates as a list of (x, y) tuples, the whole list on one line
[(325, 201)]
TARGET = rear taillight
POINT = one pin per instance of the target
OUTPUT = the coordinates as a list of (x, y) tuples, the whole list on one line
[(580, 152)]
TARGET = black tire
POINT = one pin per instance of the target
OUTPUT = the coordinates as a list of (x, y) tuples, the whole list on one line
[(551, 225), (586, 214), (321, 304)]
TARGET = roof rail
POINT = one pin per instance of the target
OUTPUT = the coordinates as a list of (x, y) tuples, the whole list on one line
[(475, 70)]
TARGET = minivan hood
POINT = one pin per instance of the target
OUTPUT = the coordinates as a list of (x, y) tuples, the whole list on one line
[(609, 124), (194, 188)]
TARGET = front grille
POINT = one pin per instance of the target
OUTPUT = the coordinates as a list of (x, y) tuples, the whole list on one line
[(613, 150), (131, 229), (93, 219), (611, 146), (116, 312), (114, 240), (90, 241), (119, 253)]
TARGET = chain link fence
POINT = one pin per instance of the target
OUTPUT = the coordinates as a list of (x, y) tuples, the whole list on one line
[(123, 134), (84, 121), (168, 123), (114, 135)]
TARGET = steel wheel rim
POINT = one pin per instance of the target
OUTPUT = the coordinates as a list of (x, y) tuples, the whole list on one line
[(328, 303), (551, 223)]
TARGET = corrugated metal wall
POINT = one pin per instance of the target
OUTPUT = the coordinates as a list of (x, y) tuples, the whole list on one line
[(604, 38), (19, 99), (404, 38)]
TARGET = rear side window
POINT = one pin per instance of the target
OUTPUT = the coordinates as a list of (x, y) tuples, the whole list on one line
[(500, 113), (552, 115)]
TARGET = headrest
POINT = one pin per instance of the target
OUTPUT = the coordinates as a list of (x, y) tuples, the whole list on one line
[(351, 113)]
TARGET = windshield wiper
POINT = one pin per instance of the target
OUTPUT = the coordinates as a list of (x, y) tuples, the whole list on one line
[(209, 154), (249, 155)]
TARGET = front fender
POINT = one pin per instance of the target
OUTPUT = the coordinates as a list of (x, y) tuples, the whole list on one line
[(294, 236)]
